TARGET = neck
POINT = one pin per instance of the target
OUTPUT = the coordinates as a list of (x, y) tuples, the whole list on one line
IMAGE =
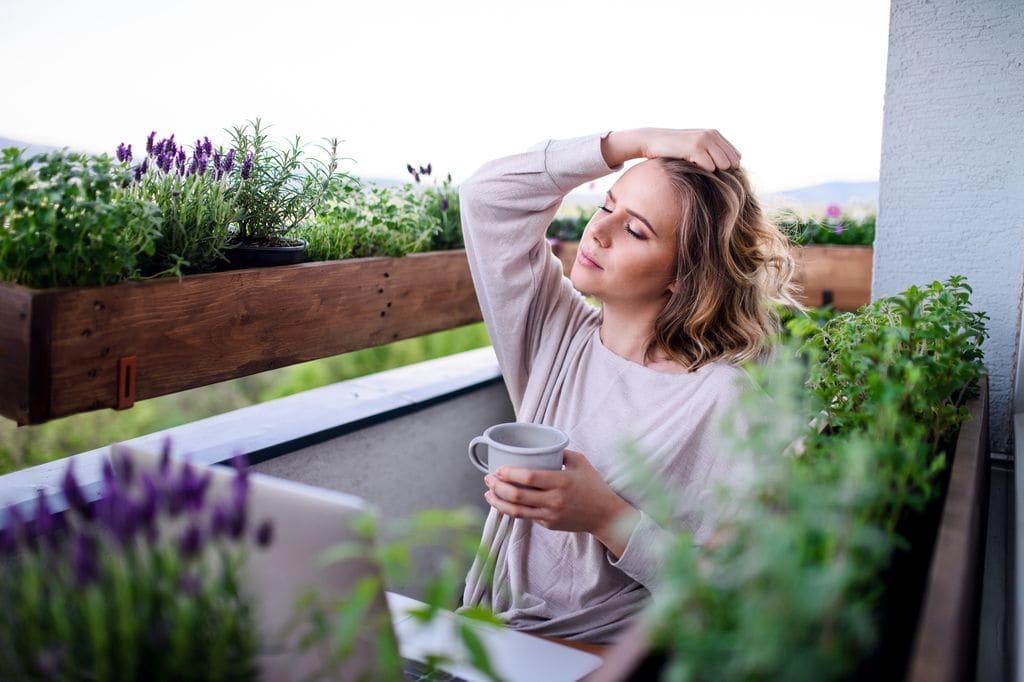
[(625, 330)]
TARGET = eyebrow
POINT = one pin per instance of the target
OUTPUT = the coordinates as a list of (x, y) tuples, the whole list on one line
[(636, 215)]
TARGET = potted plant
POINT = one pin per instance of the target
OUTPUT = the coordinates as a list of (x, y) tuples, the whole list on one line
[(141, 584), (276, 189)]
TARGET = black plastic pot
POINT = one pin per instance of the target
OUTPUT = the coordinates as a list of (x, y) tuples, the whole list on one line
[(259, 256)]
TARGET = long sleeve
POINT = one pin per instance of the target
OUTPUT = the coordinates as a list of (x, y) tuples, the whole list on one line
[(506, 207)]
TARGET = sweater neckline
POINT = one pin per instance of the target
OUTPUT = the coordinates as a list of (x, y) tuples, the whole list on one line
[(636, 366)]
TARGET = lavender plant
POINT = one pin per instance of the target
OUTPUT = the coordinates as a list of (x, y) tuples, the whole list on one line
[(277, 187), (196, 203), (141, 584), (64, 223)]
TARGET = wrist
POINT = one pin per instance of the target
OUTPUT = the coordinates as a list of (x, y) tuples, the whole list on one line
[(620, 520), (620, 146)]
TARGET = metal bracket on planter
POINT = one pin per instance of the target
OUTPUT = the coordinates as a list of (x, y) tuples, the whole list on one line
[(125, 382)]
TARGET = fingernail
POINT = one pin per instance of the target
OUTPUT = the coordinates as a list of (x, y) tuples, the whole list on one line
[(501, 472), (489, 480)]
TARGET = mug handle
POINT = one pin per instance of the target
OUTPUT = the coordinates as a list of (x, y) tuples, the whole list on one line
[(473, 457)]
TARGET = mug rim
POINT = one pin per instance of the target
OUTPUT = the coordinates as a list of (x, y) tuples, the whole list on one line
[(561, 445)]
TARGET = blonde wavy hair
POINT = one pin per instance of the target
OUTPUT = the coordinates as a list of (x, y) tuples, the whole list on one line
[(733, 264)]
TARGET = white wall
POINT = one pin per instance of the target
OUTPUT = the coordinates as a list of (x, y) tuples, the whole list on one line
[(952, 174)]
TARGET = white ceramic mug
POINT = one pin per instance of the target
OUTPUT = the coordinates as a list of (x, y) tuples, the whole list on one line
[(519, 444)]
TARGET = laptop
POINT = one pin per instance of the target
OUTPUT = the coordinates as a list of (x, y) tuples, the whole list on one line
[(307, 520)]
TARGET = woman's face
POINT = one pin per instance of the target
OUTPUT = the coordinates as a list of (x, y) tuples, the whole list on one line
[(628, 251)]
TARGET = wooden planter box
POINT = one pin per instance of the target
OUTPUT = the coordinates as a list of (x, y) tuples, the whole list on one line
[(944, 640), (64, 351), (840, 275)]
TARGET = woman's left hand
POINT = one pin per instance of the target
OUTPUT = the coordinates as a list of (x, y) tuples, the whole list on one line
[(573, 499)]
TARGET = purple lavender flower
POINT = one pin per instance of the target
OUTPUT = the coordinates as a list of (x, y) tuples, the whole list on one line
[(179, 162), (207, 146), (833, 211), (219, 522), (7, 544), (73, 493), (149, 143), (158, 148), (409, 168), (449, 178), (16, 524), (247, 166), (192, 166), (146, 511), (423, 171), (428, 169), (217, 164), (145, 166), (171, 147), (44, 517), (165, 161), (444, 203), (137, 173), (229, 161), (122, 153), (165, 457), (189, 583), (201, 162), (839, 227), (123, 467), (265, 533), (190, 541), (83, 557)]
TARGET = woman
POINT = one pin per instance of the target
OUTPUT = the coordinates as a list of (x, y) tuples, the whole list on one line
[(683, 264)]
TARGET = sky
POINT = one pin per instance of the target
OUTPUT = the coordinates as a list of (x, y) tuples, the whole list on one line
[(796, 85)]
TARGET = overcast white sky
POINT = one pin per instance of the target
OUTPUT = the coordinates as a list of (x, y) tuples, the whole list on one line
[(796, 85)]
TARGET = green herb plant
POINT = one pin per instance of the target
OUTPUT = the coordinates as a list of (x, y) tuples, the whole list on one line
[(846, 434), (357, 222), (277, 187), (64, 221), (447, 540), (839, 229)]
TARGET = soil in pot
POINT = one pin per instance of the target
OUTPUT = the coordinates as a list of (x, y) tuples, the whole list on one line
[(283, 251)]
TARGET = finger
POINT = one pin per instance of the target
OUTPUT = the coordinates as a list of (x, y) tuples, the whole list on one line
[(524, 497), (535, 478), (510, 509), (719, 156), (730, 149), (704, 160)]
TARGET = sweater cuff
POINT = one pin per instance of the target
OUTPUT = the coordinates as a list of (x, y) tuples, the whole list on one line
[(573, 161), (644, 554)]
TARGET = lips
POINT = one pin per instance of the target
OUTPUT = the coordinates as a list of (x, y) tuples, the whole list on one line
[(586, 261)]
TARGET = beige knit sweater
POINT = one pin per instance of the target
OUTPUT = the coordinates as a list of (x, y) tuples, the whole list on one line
[(559, 373)]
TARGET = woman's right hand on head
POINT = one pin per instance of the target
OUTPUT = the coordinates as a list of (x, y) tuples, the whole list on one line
[(705, 147)]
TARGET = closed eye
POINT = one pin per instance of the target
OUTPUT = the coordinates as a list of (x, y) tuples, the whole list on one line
[(629, 227)]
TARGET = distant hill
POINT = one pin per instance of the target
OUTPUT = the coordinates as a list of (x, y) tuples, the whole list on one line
[(31, 149), (841, 193)]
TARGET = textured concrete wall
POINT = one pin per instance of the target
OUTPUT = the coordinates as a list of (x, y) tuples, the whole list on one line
[(952, 175)]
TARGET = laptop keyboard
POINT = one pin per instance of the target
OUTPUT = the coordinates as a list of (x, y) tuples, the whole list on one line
[(414, 671)]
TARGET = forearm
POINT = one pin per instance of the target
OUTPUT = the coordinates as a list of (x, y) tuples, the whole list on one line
[(620, 146)]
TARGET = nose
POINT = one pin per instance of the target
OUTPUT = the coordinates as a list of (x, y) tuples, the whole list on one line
[(599, 231)]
